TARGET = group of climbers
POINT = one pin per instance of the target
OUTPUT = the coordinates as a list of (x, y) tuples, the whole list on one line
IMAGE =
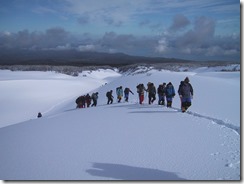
[(166, 93), (84, 101), (119, 93)]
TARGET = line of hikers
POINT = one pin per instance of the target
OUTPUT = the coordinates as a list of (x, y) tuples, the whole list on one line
[(119, 92), (166, 93)]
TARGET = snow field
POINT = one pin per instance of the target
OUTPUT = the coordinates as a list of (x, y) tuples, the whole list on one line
[(128, 141)]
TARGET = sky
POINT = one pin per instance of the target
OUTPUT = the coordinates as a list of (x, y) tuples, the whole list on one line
[(187, 29)]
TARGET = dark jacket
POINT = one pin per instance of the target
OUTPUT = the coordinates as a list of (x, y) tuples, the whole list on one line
[(140, 89), (127, 91), (151, 89), (94, 96), (161, 90), (185, 90), (109, 94)]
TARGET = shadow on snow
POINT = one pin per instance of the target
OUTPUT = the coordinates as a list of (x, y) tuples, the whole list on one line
[(124, 172)]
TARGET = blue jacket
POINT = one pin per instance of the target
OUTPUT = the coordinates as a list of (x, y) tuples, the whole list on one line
[(170, 90)]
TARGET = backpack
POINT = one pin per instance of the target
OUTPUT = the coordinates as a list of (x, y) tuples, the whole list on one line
[(139, 88), (127, 90), (107, 94), (77, 100), (186, 90)]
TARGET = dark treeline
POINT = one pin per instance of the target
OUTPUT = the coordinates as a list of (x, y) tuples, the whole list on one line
[(76, 58)]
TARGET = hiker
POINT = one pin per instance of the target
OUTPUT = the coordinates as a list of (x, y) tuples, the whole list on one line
[(126, 92), (88, 100), (181, 83), (170, 93), (186, 94), (140, 91), (119, 92), (151, 92), (110, 97), (161, 94), (81, 102), (39, 115), (94, 98)]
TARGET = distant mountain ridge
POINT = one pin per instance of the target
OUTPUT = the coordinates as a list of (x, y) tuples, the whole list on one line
[(76, 58)]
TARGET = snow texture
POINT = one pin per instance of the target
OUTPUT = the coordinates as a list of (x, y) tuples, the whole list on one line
[(121, 141)]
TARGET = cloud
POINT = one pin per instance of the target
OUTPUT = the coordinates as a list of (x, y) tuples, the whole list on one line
[(64, 47), (52, 38), (84, 19), (162, 46), (198, 42), (128, 43), (110, 12), (144, 23), (202, 32), (89, 47), (180, 21), (44, 10)]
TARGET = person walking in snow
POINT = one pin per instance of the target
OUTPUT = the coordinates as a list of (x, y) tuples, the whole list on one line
[(88, 100), (181, 83), (186, 94), (126, 92), (140, 90), (151, 92), (110, 97), (39, 115), (170, 93), (94, 98), (81, 102), (161, 94), (119, 92)]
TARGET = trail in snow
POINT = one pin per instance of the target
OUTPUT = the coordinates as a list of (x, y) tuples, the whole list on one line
[(236, 129)]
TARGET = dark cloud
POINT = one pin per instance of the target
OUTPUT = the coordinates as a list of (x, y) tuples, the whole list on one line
[(179, 22), (202, 33), (198, 43), (26, 40), (56, 36)]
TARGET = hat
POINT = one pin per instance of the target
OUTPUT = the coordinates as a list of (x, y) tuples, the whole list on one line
[(187, 79)]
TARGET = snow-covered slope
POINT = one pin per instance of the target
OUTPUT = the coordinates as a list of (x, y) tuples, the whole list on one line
[(126, 141), (24, 94)]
